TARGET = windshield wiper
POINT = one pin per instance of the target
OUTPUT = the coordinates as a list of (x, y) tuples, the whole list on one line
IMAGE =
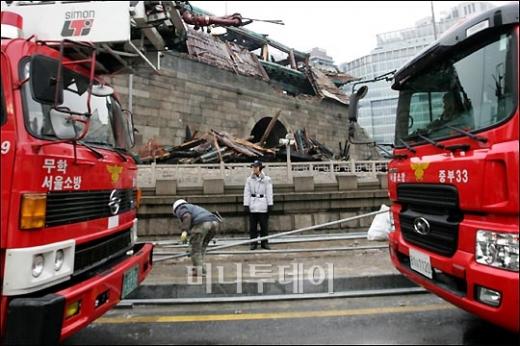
[(408, 146), (96, 153), (468, 134), (73, 142), (121, 152), (390, 155), (108, 146), (431, 141)]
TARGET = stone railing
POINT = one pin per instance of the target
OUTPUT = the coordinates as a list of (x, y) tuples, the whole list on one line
[(233, 174)]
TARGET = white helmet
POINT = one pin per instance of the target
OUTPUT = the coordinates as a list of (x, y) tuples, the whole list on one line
[(178, 203)]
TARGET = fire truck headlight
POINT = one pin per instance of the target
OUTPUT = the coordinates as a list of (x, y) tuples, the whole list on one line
[(30, 269), (498, 250), (59, 259), (38, 265), (32, 211)]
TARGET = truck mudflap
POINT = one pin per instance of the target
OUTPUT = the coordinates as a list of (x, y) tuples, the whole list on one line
[(54, 317), (459, 287)]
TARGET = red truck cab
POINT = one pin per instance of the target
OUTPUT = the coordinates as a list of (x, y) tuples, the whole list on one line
[(453, 180), (69, 193)]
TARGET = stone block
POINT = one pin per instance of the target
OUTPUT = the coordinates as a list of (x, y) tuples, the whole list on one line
[(303, 184), (383, 181), (280, 223), (138, 139), (302, 221), (347, 182), (366, 221), (234, 224), (166, 187), (158, 226), (142, 225), (350, 224), (213, 186), (324, 217)]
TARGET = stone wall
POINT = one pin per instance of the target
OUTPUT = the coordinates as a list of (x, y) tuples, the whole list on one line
[(292, 210), (202, 96)]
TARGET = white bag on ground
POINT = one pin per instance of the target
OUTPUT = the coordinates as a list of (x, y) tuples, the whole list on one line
[(381, 226)]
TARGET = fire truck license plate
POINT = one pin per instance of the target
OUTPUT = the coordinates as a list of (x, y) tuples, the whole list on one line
[(129, 281), (420, 262)]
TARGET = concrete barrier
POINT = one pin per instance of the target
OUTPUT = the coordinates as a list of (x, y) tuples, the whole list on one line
[(213, 186), (383, 180), (166, 187), (347, 182), (303, 184), (291, 210), (274, 287)]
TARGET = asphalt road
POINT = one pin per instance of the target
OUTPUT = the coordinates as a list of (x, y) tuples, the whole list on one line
[(411, 319)]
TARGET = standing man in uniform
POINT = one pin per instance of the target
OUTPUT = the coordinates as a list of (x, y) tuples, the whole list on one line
[(201, 226), (258, 201)]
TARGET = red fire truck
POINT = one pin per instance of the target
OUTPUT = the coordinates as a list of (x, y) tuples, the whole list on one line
[(68, 182), (453, 179)]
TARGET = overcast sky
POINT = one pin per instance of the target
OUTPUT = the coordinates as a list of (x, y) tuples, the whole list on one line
[(347, 30)]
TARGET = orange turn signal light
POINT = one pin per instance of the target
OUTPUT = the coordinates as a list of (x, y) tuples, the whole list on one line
[(138, 197), (33, 210)]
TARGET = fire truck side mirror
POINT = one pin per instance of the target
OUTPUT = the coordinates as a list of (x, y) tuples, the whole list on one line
[(130, 126), (354, 99), (102, 90), (45, 87), (63, 125)]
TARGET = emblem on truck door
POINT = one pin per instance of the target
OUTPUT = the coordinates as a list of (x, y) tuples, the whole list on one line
[(418, 169), (421, 226), (114, 171)]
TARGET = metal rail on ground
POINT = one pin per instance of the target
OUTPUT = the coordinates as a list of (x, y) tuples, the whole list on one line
[(285, 240), (244, 242), (279, 297), (346, 248)]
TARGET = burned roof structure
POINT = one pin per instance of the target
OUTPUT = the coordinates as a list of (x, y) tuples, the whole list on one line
[(248, 53), (212, 99)]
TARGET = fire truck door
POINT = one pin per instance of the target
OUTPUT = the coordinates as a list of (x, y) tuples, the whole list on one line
[(7, 149)]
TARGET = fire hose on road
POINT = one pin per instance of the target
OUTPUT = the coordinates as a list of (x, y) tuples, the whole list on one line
[(385, 285), (300, 230)]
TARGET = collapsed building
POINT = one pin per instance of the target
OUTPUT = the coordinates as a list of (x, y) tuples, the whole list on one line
[(228, 97)]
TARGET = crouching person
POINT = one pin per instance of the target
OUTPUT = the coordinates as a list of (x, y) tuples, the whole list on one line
[(201, 226)]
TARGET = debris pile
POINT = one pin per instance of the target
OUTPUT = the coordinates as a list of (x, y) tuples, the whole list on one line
[(215, 147)]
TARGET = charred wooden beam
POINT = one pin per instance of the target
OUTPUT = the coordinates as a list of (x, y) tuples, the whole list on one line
[(269, 128)]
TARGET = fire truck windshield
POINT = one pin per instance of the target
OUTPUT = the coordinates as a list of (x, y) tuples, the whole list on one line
[(473, 89), (109, 125)]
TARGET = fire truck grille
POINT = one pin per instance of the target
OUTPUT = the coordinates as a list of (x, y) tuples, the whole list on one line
[(438, 196), (442, 237), (70, 207), (93, 254), (438, 206)]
